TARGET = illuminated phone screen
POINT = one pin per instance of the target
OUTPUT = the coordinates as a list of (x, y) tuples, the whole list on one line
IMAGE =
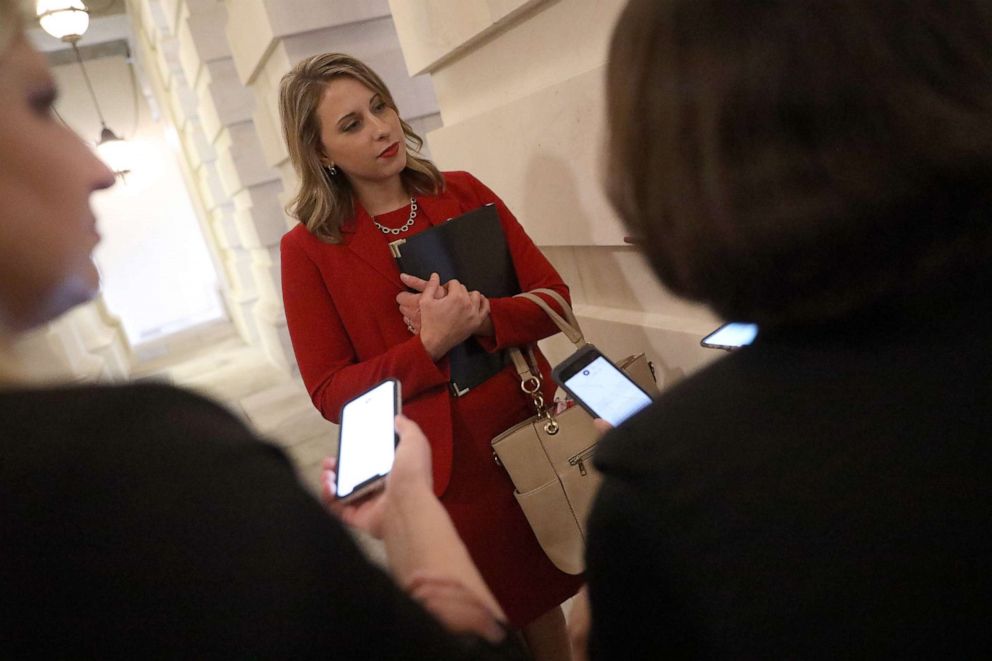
[(367, 444), (731, 336), (606, 390)]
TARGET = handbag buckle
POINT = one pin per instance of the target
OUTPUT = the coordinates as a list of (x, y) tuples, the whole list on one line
[(530, 385)]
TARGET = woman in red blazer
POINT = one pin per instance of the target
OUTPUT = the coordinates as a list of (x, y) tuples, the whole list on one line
[(353, 321)]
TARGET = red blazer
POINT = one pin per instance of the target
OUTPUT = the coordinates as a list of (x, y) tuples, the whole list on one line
[(347, 330)]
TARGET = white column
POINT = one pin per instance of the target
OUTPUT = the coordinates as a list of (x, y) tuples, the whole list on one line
[(236, 190), (520, 86)]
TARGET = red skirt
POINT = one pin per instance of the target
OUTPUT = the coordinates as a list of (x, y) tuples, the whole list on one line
[(480, 500)]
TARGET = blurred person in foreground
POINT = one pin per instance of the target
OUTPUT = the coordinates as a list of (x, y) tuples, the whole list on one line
[(147, 522), (825, 170)]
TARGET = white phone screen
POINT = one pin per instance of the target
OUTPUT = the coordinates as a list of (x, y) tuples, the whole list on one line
[(607, 391), (734, 334), (367, 441)]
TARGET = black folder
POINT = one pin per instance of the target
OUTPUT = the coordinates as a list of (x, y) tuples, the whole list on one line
[(471, 248)]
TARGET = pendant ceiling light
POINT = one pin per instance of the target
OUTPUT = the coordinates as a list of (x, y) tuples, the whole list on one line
[(68, 20), (63, 19)]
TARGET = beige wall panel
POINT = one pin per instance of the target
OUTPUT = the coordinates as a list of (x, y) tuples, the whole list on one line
[(434, 31), (541, 154), (620, 277), (170, 11), (265, 266), (259, 215), (240, 162), (203, 28), (558, 41), (256, 25), (265, 89), (196, 149), (219, 86)]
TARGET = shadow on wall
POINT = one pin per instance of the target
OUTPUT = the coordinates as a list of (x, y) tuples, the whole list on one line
[(555, 205)]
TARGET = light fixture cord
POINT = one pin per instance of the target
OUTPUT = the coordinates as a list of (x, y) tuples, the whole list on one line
[(89, 85)]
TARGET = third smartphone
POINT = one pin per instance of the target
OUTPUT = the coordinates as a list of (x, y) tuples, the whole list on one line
[(731, 336), (367, 440), (600, 386)]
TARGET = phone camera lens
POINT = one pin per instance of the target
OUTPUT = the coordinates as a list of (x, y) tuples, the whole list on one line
[(585, 372)]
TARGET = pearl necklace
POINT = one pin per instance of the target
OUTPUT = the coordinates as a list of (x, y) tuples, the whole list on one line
[(406, 226)]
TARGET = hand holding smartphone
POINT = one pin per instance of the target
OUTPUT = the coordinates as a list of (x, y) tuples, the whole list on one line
[(599, 386), (367, 440)]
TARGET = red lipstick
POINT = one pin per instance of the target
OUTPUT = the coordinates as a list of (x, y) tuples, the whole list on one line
[(390, 151)]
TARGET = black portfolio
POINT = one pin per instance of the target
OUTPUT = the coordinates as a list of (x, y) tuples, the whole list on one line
[(472, 249)]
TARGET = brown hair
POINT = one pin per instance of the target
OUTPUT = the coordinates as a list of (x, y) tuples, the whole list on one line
[(324, 201), (793, 161)]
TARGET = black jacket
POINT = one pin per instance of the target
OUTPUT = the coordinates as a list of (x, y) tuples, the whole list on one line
[(147, 522), (826, 492)]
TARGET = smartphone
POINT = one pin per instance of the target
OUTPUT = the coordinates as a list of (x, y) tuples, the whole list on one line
[(731, 336), (367, 440), (599, 386)]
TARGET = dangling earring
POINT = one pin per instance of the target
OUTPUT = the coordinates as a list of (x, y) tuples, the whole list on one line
[(331, 170)]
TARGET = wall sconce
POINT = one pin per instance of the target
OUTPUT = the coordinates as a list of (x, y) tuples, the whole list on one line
[(68, 20)]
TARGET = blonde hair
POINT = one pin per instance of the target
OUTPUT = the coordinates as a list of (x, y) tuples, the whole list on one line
[(324, 201)]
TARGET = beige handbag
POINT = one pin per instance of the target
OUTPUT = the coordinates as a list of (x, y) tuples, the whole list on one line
[(549, 455)]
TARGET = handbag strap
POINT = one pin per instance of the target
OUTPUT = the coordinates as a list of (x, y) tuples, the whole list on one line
[(527, 368), (568, 324)]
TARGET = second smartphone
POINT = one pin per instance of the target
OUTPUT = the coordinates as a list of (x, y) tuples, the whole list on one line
[(367, 440), (599, 386)]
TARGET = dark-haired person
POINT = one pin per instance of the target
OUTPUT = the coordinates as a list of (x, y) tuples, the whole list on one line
[(146, 522), (823, 169), (352, 321)]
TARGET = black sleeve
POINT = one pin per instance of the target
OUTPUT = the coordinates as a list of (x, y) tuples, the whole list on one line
[(159, 527), (635, 609)]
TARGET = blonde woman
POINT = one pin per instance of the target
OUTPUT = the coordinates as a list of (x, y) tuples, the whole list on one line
[(146, 522), (353, 322)]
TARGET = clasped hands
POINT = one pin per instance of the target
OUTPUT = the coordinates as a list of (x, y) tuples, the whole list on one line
[(443, 315)]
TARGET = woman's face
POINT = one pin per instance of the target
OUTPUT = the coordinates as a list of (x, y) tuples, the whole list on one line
[(360, 134), (47, 230)]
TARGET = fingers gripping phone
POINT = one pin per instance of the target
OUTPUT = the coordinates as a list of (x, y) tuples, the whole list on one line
[(367, 440), (599, 386), (731, 336)]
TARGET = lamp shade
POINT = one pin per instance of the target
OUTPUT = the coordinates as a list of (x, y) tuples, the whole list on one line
[(114, 151), (63, 19)]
